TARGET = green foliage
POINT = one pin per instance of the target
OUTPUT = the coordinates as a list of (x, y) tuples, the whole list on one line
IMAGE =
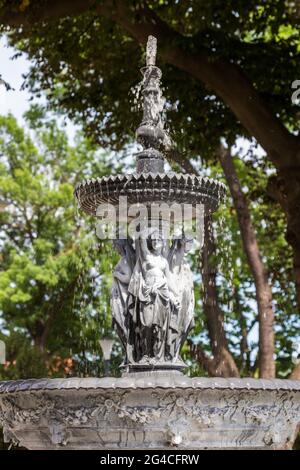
[(91, 79), (55, 276), (236, 291)]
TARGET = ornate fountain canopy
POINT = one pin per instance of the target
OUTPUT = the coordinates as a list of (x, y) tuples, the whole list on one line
[(150, 183), (148, 187)]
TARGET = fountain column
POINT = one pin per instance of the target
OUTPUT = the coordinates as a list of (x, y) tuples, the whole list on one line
[(150, 133), (153, 308)]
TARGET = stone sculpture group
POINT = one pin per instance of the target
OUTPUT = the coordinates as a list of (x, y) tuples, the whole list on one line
[(152, 299)]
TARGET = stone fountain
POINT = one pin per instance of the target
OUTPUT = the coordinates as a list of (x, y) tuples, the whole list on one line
[(153, 405)]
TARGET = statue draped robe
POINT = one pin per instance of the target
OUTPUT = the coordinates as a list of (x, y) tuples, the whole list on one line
[(150, 309)]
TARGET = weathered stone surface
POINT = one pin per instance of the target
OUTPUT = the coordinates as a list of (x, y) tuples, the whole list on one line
[(152, 300), (151, 410), (147, 188)]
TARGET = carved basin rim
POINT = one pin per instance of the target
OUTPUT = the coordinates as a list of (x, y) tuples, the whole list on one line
[(150, 382), (145, 187)]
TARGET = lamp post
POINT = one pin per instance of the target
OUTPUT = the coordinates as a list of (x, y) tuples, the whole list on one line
[(106, 346)]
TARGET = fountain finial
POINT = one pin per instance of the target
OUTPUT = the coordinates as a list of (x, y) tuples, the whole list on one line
[(151, 50), (150, 133)]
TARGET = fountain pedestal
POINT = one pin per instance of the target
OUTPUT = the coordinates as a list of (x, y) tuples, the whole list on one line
[(156, 410)]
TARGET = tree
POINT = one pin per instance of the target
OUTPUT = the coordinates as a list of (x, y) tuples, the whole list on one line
[(55, 277), (245, 54), (256, 265), (238, 59)]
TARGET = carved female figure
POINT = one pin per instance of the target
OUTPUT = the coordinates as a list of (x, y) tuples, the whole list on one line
[(152, 301), (119, 294), (182, 277)]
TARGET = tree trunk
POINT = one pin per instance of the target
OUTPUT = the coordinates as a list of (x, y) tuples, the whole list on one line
[(260, 276), (222, 364), (244, 347), (295, 375), (286, 191)]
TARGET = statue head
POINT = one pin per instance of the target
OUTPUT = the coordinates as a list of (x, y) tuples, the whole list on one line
[(188, 243), (119, 245), (155, 241)]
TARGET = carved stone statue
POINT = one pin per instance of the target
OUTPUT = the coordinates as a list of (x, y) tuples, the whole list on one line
[(119, 292), (152, 300), (152, 295), (183, 279)]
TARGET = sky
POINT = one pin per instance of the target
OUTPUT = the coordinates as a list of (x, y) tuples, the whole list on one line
[(16, 101), (11, 71)]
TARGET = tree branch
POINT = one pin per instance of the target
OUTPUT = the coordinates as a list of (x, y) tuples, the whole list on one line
[(226, 79), (51, 11), (259, 273), (174, 156)]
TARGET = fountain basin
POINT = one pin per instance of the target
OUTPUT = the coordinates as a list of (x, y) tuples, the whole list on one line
[(151, 410), (148, 188)]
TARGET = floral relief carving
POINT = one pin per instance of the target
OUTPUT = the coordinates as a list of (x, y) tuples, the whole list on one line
[(175, 405), (139, 414), (54, 408), (13, 414), (260, 413), (177, 413)]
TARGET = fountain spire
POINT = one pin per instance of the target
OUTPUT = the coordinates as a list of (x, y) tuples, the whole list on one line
[(151, 133), (151, 50)]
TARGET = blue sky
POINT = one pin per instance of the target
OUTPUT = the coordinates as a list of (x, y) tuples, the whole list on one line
[(12, 71)]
